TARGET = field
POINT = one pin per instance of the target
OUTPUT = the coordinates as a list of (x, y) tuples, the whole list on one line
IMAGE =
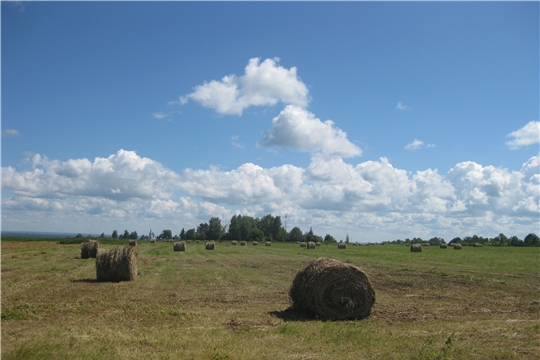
[(232, 303)]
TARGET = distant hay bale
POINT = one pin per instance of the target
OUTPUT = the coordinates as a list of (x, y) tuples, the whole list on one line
[(457, 247), (298, 242), (311, 245), (426, 244), (255, 243), (118, 264), (443, 246), (189, 241), (303, 244), (132, 242), (210, 245), (478, 245), (89, 249), (153, 241), (197, 241), (331, 289), (318, 243), (268, 243), (179, 246), (233, 242), (242, 243), (341, 245), (416, 248)]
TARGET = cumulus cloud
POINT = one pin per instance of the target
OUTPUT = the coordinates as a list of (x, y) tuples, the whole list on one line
[(329, 193), (527, 135), (263, 84), (417, 144), (10, 132), (401, 106), (299, 129)]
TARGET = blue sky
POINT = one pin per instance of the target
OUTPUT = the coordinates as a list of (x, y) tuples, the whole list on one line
[(380, 120)]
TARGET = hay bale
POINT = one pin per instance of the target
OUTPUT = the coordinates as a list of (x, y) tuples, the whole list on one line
[(416, 248), (118, 264), (132, 242), (153, 241), (268, 243), (318, 243), (189, 241), (311, 245), (255, 243), (242, 243), (233, 242), (478, 245), (331, 289), (303, 244), (443, 246), (457, 247), (341, 245), (197, 241), (179, 246), (210, 245), (89, 249)]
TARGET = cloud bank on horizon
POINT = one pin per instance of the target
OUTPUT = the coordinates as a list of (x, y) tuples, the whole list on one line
[(328, 193)]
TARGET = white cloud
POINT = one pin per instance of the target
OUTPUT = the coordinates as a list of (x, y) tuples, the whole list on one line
[(235, 143), (527, 135), (263, 84), (10, 132), (401, 106), (416, 144), (299, 129), (371, 197)]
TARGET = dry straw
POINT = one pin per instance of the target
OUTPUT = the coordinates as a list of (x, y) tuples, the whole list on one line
[(233, 242), (443, 246), (132, 242), (303, 244), (318, 243), (457, 247), (341, 245), (153, 241), (268, 243), (255, 243), (210, 245), (416, 248), (118, 264), (331, 289), (478, 245), (311, 245), (89, 249), (179, 246), (242, 243)]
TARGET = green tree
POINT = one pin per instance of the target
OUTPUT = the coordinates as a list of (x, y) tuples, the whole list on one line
[(329, 239), (114, 234), (296, 235), (215, 230), (166, 234), (126, 235), (78, 236), (190, 234), (102, 235), (133, 235), (347, 239), (531, 240), (183, 235)]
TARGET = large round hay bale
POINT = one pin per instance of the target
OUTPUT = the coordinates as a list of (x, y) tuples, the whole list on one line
[(255, 243), (341, 245), (179, 246), (118, 264), (457, 247), (303, 244), (132, 242), (331, 289), (210, 245), (242, 243), (416, 248), (311, 245), (89, 249), (233, 242), (443, 246), (268, 243)]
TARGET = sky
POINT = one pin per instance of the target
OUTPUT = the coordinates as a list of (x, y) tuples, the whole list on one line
[(377, 120)]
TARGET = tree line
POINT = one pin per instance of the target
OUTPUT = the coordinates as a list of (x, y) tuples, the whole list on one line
[(499, 240)]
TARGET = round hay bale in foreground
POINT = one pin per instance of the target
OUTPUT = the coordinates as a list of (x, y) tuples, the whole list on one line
[(132, 242), (233, 242), (179, 246), (210, 245), (118, 264), (416, 248), (443, 246), (331, 289), (311, 245), (89, 249), (457, 247), (242, 243), (341, 245)]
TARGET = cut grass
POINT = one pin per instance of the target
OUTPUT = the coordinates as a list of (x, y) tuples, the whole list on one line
[(233, 303)]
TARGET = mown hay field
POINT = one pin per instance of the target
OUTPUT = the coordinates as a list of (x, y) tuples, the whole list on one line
[(233, 303)]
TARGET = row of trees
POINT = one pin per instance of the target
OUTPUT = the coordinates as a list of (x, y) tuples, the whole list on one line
[(499, 240)]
